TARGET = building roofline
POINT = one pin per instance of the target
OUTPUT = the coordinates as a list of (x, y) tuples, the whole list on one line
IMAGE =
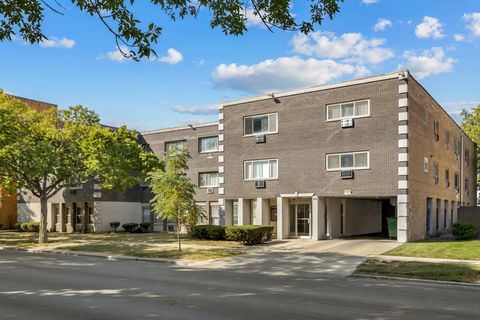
[(33, 100), (200, 125), (340, 84)]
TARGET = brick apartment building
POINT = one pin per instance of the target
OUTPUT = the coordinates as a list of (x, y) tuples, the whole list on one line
[(323, 162)]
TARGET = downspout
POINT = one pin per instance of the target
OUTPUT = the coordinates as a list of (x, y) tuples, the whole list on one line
[(461, 169)]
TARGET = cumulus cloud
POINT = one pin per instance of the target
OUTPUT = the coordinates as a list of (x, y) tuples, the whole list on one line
[(382, 24), (429, 28), (455, 107), (370, 1), (429, 62), (196, 109), (173, 57), (353, 47), (253, 19), (459, 37), (54, 42), (282, 73), (473, 22), (115, 55)]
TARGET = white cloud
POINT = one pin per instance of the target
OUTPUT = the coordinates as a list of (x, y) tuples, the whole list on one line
[(370, 1), (473, 22), (116, 55), (459, 37), (382, 24), (430, 62), (280, 74), (253, 19), (173, 57), (58, 43), (455, 107), (429, 28), (353, 47), (195, 109)]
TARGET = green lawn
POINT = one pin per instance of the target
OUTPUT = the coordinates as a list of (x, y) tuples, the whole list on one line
[(149, 251), (421, 270), (445, 249), (131, 244)]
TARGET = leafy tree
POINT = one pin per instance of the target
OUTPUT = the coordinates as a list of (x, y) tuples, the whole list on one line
[(471, 126), (48, 151), (26, 18), (174, 192)]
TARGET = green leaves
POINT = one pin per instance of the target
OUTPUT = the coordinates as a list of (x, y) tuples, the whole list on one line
[(173, 191), (45, 151), (119, 18), (471, 125)]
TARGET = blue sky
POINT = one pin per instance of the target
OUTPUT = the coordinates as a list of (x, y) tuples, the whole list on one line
[(199, 67)]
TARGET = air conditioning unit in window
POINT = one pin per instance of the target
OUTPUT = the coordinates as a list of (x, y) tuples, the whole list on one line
[(346, 174), (347, 123), (210, 190), (260, 184), (261, 139)]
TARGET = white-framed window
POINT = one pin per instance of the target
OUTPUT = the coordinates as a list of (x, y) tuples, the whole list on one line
[(435, 172), (208, 144), (354, 109), (260, 169), (348, 161), (176, 143), (425, 165), (208, 180), (235, 213), (260, 124)]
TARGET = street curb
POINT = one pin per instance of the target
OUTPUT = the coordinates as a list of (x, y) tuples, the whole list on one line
[(371, 276), (109, 257)]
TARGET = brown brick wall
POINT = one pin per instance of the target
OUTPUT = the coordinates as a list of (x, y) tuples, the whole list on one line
[(304, 138), (422, 144), (8, 210)]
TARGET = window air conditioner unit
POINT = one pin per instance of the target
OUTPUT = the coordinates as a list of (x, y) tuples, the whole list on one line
[(260, 139), (260, 184), (210, 190), (346, 174), (347, 123)]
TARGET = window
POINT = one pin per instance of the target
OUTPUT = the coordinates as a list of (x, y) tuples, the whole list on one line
[(435, 172), (208, 144), (436, 130), (208, 180), (447, 177), (235, 213), (456, 181), (467, 186), (177, 143), (425, 117), (355, 109), (467, 156), (261, 169), (425, 165), (262, 124), (90, 215), (79, 215), (253, 211), (456, 147), (447, 139), (346, 161)]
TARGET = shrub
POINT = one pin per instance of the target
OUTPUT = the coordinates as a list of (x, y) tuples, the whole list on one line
[(17, 226), (249, 235), (145, 226), (24, 226), (34, 226), (130, 227), (1, 226), (114, 225), (207, 232), (464, 231)]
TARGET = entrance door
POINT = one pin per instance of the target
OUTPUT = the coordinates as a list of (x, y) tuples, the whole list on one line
[(300, 219)]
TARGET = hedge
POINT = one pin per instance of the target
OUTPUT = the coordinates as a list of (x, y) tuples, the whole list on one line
[(464, 231), (207, 232), (27, 226), (114, 225), (249, 235), (145, 226), (130, 227)]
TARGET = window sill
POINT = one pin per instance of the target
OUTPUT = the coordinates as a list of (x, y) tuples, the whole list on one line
[(259, 134), (346, 169), (343, 118)]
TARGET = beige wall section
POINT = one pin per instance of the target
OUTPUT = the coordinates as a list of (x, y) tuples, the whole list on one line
[(28, 212), (124, 212)]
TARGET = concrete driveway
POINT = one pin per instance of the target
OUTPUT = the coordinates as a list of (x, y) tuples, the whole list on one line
[(338, 257)]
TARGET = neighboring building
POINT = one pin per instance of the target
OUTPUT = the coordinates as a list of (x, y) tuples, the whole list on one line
[(329, 161), (8, 203)]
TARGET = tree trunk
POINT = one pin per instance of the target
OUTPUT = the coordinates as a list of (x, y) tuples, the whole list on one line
[(85, 218), (42, 233), (178, 234)]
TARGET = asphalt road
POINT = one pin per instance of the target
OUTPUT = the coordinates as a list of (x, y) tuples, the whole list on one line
[(43, 286)]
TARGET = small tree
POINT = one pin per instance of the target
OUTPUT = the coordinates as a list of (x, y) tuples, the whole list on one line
[(48, 151), (174, 192), (471, 126)]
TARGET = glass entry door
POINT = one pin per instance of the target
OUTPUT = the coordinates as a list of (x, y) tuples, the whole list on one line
[(300, 220)]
